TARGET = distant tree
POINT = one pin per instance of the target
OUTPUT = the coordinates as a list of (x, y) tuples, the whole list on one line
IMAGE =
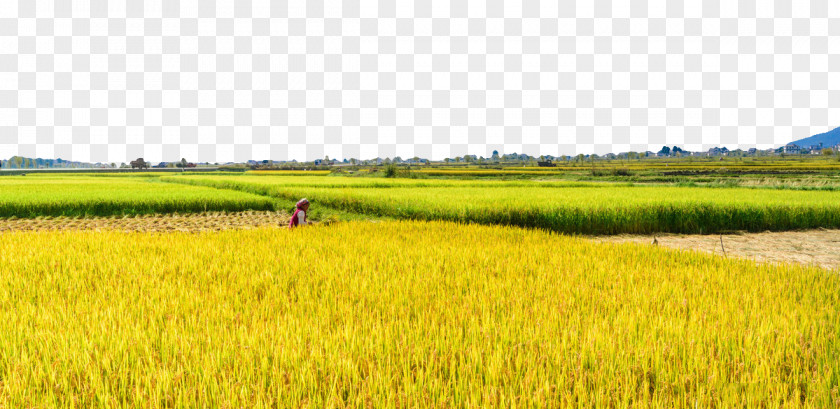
[(665, 151), (390, 170), (827, 151), (446, 160)]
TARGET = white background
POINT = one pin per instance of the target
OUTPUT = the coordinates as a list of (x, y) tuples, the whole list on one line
[(257, 79)]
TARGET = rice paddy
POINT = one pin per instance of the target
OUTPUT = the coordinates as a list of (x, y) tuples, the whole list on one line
[(405, 314), (35, 196), (568, 207), (182, 291)]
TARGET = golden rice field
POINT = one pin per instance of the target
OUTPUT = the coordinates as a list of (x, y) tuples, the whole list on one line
[(405, 314)]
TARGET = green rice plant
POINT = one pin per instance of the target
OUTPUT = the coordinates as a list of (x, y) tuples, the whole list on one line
[(245, 182), (104, 196), (563, 207)]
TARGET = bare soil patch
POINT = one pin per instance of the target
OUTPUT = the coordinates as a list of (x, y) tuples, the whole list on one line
[(209, 221), (816, 247)]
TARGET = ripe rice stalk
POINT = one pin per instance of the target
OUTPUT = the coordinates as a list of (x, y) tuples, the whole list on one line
[(408, 314)]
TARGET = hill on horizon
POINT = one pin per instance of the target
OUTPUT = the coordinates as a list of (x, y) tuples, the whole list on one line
[(828, 139)]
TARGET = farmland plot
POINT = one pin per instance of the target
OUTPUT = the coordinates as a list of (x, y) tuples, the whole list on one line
[(588, 208), (34, 196), (415, 314)]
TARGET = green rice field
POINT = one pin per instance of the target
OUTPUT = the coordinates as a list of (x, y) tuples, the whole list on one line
[(37, 195), (569, 207)]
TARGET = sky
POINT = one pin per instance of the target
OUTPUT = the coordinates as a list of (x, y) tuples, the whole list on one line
[(218, 80)]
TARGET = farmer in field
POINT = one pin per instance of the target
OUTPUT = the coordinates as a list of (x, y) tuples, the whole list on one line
[(299, 217)]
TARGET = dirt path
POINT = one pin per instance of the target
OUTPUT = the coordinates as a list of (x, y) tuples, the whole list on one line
[(819, 247), (154, 223)]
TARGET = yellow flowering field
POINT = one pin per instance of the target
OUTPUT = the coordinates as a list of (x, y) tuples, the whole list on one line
[(405, 314)]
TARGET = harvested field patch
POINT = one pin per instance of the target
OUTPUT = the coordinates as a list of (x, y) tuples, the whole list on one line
[(818, 247), (209, 221)]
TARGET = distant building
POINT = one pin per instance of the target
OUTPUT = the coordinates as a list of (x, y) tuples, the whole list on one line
[(791, 148)]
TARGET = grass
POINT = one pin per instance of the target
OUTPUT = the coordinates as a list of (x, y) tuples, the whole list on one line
[(588, 208), (84, 196), (405, 314)]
